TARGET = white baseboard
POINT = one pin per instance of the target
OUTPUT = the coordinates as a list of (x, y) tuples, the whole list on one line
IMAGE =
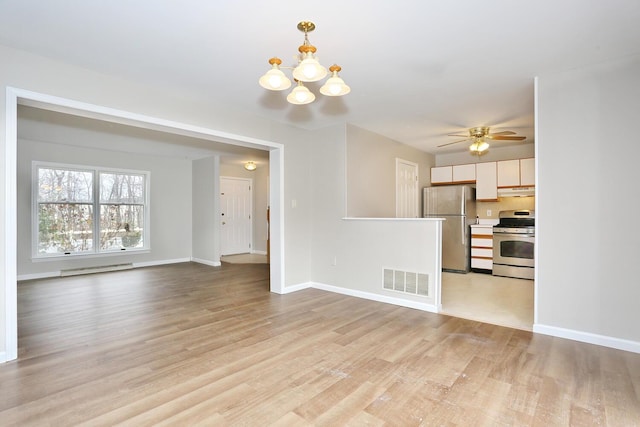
[(50, 274), (259, 252), (376, 297), (160, 262), (46, 275), (296, 288), (364, 295), (207, 262), (587, 337)]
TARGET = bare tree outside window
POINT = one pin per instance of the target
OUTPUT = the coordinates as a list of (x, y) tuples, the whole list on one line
[(65, 211), (121, 210), (68, 212)]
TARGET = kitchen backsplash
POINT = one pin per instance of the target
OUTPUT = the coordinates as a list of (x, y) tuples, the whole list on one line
[(503, 204)]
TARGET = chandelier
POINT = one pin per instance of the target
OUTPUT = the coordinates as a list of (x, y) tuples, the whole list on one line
[(307, 70)]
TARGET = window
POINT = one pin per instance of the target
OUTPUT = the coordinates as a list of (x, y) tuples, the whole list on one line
[(81, 210), (122, 210)]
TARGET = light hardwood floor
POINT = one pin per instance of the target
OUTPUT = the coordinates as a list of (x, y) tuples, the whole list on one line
[(245, 259), (190, 344)]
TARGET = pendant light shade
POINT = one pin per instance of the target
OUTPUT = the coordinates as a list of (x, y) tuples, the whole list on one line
[(301, 95), (275, 79), (307, 70), (335, 86)]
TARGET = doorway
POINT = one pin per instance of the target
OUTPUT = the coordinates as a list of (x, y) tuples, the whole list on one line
[(236, 221)]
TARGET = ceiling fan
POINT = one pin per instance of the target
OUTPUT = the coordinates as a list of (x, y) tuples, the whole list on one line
[(478, 136)]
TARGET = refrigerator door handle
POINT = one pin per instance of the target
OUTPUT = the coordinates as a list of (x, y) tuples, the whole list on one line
[(463, 211)]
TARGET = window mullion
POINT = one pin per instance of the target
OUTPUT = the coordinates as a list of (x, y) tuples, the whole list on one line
[(97, 214)]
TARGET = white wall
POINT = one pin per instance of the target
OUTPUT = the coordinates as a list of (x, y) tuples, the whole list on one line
[(170, 199), (587, 171), (297, 198), (206, 190), (349, 255), (371, 172)]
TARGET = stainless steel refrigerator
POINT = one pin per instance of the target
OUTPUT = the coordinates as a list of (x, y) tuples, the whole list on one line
[(457, 204)]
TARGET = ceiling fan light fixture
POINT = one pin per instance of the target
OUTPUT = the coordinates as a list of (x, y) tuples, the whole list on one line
[(479, 132), (479, 147), (250, 166), (478, 135), (308, 69)]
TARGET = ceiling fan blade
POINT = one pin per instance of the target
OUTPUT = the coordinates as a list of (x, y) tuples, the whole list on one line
[(507, 138), (454, 142), (504, 132), (455, 134)]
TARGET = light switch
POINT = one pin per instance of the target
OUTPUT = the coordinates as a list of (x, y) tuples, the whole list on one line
[(294, 203), (488, 212)]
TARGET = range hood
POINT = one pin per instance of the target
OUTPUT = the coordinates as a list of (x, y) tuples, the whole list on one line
[(516, 192)]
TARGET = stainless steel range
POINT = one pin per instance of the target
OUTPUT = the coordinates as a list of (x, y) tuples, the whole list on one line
[(513, 243)]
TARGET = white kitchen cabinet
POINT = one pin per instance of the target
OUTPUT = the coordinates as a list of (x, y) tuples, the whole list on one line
[(527, 172), (516, 173), (464, 173), (457, 174), (508, 173), (488, 176), (482, 247), (486, 181), (442, 175)]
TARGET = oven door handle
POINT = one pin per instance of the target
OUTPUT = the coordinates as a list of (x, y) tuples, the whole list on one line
[(512, 235)]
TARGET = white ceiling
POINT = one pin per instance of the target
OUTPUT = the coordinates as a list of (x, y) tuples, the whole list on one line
[(418, 69)]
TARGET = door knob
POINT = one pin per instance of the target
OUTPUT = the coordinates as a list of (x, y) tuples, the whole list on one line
[(223, 223)]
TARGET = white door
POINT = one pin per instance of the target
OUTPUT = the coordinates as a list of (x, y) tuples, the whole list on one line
[(407, 194), (235, 215)]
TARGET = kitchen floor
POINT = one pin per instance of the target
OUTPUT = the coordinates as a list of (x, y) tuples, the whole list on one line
[(491, 299)]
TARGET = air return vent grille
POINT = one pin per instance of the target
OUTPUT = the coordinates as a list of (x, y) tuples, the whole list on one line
[(406, 282)]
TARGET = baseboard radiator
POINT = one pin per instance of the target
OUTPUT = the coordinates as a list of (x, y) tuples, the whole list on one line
[(406, 282), (98, 269)]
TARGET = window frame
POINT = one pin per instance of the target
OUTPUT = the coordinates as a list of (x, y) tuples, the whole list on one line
[(96, 204)]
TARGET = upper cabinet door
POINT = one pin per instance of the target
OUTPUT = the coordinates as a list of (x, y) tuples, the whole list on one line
[(464, 173), (509, 173), (441, 175), (528, 172), (486, 185)]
